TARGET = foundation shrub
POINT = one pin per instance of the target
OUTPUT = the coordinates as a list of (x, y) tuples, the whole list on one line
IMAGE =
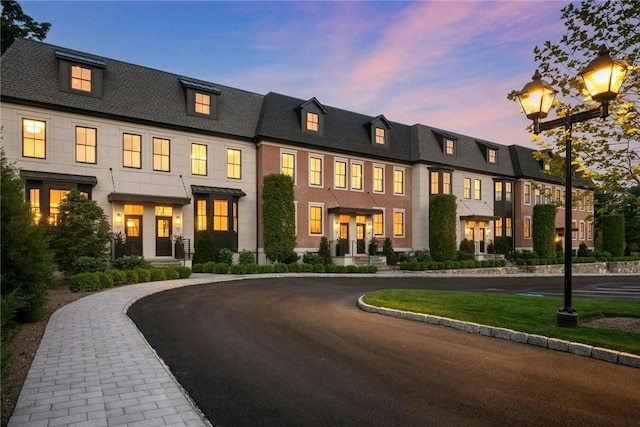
[(132, 277), (266, 268), (330, 268), (318, 268), (221, 268), (118, 277), (144, 275), (238, 269), (157, 274), (225, 256), (183, 272), (106, 281), (197, 268), (130, 262), (280, 267), (86, 264), (352, 269), (252, 268), (209, 267), (171, 273), (293, 267), (246, 257), (87, 282), (305, 268)]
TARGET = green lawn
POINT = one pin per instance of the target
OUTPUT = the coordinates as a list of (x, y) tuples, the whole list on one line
[(531, 314)]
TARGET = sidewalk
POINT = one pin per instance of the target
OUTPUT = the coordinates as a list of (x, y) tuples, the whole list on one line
[(94, 368)]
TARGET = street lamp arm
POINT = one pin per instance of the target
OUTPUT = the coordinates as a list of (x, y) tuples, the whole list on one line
[(582, 116)]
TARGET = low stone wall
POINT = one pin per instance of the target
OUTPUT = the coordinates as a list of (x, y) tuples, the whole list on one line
[(624, 267)]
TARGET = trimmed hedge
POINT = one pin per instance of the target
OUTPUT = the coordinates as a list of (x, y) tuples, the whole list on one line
[(543, 230), (442, 227), (89, 282)]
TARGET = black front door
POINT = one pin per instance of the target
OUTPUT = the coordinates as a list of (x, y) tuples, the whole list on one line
[(133, 231), (360, 236), (163, 236)]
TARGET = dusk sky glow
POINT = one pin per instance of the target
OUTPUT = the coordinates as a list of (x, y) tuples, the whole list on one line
[(446, 64)]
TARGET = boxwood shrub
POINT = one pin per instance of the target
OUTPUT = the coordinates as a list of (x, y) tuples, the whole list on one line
[(266, 268), (252, 268), (221, 268), (183, 272), (280, 268), (118, 277), (238, 269), (132, 277), (88, 282), (170, 273), (106, 281), (144, 274), (157, 274)]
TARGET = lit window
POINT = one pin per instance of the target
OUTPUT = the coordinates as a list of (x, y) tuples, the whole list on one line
[(33, 138), (477, 189), (527, 194), (527, 228), (435, 183), (288, 166), (378, 179), (131, 151), (312, 122), (55, 199), (315, 171), (546, 166), (80, 78), (574, 197), (164, 210), (398, 181), (34, 205), (449, 147), (378, 224), (198, 159), (85, 145), (589, 230), (356, 176), (446, 182), (234, 163), (161, 154), (581, 230), (536, 192), (220, 215), (203, 103), (558, 197), (398, 223), (380, 135), (340, 174), (581, 202), (507, 191), (508, 229), (498, 227), (315, 220), (498, 191), (574, 230), (467, 188), (491, 155), (201, 215)]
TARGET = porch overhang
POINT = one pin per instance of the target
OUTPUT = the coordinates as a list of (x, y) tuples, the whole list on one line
[(147, 198), (58, 177), (218, 191), (479, 217), (354, 211)]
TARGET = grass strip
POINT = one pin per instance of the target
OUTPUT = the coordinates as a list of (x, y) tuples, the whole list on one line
[(523, 313)]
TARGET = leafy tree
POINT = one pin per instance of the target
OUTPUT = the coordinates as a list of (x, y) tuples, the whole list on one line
[(27, 268), (442, 227), (544, 230), (82, 230), (15, 24), (278, 217), (204, 250), (605, 151)]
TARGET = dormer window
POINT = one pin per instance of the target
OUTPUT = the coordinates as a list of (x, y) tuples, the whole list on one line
[(311, 115), (80, 74), (313, 120), (80, 78), (490, 152), (546, 166), (379, 131), (449, 147), (201, 99), (492, 156)]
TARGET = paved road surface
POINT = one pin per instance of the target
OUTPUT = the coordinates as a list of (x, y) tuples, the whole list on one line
[(298, 352)]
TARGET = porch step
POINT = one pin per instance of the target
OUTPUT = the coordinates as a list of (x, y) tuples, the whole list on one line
[(165, 262), (379, 261)]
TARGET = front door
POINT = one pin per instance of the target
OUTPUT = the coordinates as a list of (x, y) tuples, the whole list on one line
[(360, 236), (163, 236), (482, 236), (133, 231), (344, 238)]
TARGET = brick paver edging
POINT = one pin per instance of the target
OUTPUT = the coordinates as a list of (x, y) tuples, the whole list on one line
[(508, 334)]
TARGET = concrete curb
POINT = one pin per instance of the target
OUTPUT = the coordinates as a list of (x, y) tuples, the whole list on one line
[(579, 349)]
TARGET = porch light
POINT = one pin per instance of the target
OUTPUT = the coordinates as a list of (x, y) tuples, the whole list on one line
[(118, 218), (178, 220)]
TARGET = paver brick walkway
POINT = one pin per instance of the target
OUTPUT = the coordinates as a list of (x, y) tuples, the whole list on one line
[(94, 368)]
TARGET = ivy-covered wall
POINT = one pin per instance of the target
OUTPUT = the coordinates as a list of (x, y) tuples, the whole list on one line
[(442, 227), (543, 230)]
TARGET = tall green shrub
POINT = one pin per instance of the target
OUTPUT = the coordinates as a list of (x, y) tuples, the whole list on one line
[(278, 216), (82, 231), (543, 229), (324, 251), (613, 234), (387, 251), (442, 227), (27, 268), (204, 250)]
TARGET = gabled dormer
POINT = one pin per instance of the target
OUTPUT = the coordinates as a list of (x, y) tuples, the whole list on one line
[(448, 143), (201, 99), (312, 116), (544, 159), (80, 74), (489, 151), (379, 131)]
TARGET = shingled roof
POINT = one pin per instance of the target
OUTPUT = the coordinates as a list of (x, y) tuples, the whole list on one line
[(130, 92)]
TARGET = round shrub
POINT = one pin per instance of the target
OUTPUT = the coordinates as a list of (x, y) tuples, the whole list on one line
[(171, 273), (266, 268), (280, 268), (197, 268), (341, 269), (225, 256), (157, 274), (221, 268), (130, 262), (306, 268), (330, 268), (252, 268), (293, 267), (88, 282), (86, 264), (246, 257), (106, 281), (238, 269), (132, 277), (183, 272), (318, 268), (144, 275), (209, 267), (118, 277)]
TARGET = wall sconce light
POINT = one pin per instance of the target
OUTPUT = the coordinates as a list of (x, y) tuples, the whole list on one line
[(178, 220), (336, 225), (118, 218), (369, 226)]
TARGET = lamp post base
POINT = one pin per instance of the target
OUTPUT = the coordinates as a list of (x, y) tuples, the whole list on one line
[(567, 318)]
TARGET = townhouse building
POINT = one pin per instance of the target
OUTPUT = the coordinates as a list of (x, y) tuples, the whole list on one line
[(167, 155)]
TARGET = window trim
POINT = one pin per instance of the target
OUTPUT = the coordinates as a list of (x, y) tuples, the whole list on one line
[(477, 189), (466, 191), (131, 151), (402, 171), (86, 146), (345, 162), (234, 166), (161, 155), (352, 179), (44, 138), (404, 222), (295, 164), (320, 208), (526, 231), (373, 178), (206, 159), (319, 157), (373, 223)]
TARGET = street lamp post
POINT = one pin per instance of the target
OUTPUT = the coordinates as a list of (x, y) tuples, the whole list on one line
[(602, 78)]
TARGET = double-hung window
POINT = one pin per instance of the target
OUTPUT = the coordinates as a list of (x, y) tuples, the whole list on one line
[(398, 223), (315, 171), (477, 189), (340, 179), (398, 182), (161, 154), (234, 163), (80, 78), (378, 179), (131, 151), (315, 220), (85, 145), (356, 176), (313, 120), (34, 138), (198, 159), (288, 164)]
